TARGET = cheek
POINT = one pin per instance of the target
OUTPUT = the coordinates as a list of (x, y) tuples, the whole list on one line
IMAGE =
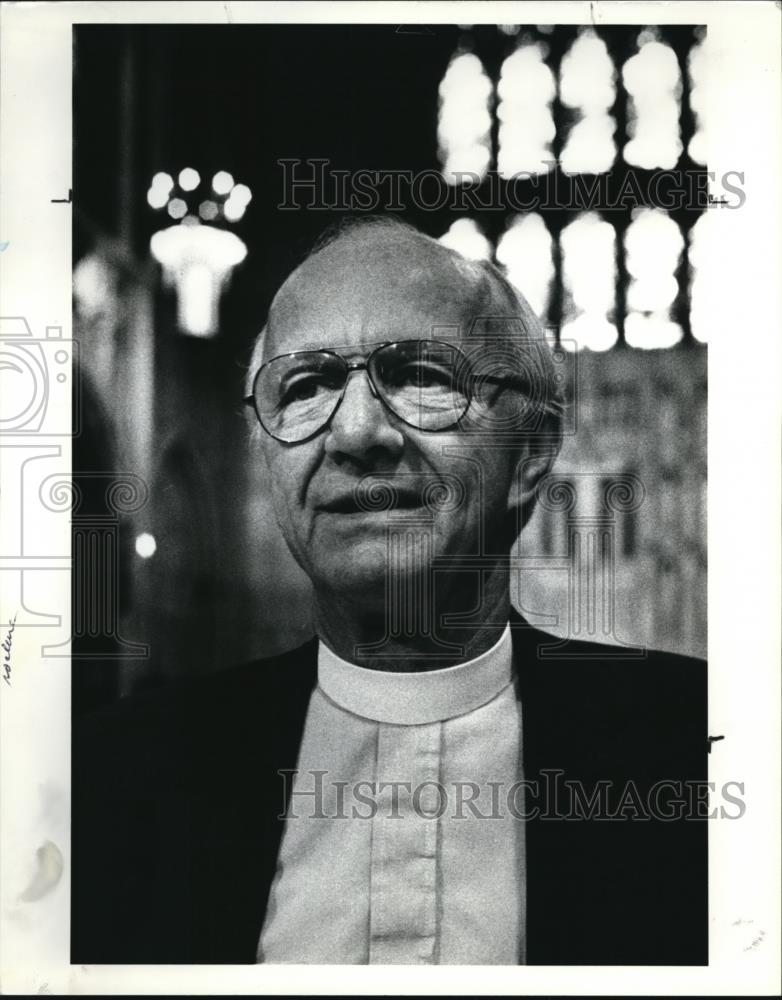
[(480, 473), (287, 473)]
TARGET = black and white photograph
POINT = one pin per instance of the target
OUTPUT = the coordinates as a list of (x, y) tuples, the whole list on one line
[(387, 464)]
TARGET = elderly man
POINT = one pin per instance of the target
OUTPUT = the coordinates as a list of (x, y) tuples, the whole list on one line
[(428, 780)]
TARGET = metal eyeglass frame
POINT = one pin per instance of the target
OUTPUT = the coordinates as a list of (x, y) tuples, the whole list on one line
[(354, 366)]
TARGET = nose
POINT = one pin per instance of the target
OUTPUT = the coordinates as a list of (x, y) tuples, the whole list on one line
[(361, 430)]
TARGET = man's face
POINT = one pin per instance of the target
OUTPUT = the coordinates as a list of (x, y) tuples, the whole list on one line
[(367, 288)]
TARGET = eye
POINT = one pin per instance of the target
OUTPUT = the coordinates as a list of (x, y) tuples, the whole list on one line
[(420, 375), (306, 386)]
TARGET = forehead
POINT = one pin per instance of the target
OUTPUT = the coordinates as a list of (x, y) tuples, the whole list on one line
[(373, 286)]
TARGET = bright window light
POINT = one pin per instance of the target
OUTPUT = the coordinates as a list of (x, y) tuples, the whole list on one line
[(653, 81), (589, 274), (587, 84), (706, 309), (699, 63), (524, 250), (465, 238), (589, 330), (589, 263), (653, 247), (464, 121), (651, 332), (526, 90)]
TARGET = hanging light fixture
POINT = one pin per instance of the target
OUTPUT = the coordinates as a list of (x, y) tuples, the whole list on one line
[(199, 253)]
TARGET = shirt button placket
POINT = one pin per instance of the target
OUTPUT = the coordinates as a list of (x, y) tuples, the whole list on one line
[(403, 867), (428, 806)]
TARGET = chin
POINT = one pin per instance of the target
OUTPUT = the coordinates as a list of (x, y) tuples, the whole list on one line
[(359, 572)]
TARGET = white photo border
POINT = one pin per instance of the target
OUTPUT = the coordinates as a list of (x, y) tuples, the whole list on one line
[(745, 355)]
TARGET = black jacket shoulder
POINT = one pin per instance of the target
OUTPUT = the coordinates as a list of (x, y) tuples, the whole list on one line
[(175, 799)]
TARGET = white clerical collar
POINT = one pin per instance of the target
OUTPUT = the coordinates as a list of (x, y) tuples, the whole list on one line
[(415, 699)]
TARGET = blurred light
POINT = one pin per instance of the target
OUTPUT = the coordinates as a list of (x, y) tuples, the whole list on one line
[(146, 546), (177, 208), (94, 287), (587, 75), (652, 332), (526, 90), (464, 122), (198, 261), (589, 262), (653, 246), (190, 220), (589, 330), (233, 210), (222, 182), (162, 182), (589, 275), (590, 146), (197, 312), (525, 252), (189, 179), (509, 29), (157, 197), (465, 238), (242, 195), (646, 35), (467, 165), (587, 83), (208, 210), (698, 65), (653, 81)]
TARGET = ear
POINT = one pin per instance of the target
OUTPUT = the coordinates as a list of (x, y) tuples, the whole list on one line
[(531, 467)]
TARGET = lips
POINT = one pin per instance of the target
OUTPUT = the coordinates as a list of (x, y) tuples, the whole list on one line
[(363, 500), (346, 504)]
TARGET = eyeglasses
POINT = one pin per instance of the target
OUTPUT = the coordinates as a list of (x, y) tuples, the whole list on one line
[(427, 384), (422, 382)]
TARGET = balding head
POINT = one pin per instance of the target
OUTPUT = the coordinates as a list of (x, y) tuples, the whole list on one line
[(392, 263)]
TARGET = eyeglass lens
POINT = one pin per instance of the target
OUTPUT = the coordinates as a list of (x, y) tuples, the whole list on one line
[(297, 395)]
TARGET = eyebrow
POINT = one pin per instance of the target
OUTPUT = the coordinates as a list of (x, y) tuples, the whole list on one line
[(302, 366)]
